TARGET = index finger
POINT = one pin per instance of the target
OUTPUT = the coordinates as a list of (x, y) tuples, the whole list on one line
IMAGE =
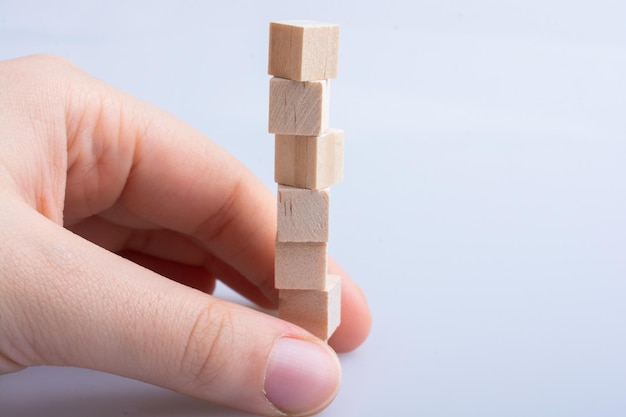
[(157, 172)]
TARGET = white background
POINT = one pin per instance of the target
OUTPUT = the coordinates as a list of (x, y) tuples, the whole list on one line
[(484, 202)]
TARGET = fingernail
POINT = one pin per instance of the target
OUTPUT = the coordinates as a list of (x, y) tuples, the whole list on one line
[(301, 377)]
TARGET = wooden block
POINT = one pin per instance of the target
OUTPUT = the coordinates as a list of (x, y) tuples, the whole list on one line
[(317, 311), (300, 265), (311, 162), (302, 214), (298, 107), (303, 50)]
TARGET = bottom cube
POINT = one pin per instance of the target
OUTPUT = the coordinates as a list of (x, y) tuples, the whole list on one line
[(318, 311)]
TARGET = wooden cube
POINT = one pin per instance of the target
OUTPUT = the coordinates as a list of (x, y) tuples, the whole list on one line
[(317, 311), (300, 265), (311, 162), (298, 107), (303, 50), (302, 214)]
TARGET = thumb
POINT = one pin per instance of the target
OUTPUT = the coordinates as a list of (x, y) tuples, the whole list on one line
[(70, 302)]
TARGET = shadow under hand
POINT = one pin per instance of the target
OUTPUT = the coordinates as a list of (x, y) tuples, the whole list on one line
[(72, 392)]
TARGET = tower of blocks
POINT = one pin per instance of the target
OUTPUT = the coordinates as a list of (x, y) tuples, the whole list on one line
[(308, 160)]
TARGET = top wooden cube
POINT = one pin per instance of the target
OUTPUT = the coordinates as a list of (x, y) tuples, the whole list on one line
[(303, 50)]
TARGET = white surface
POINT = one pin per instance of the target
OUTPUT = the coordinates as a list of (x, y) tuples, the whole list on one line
[(484, 205)]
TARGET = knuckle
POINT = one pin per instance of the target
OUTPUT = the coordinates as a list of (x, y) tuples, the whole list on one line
[(48, 61), (38, 68), (208, 348)]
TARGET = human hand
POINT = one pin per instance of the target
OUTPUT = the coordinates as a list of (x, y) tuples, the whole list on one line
[(102, 199)]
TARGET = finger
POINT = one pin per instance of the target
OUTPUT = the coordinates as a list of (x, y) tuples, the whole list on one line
[(356, 320), (161, 243), (168, 245), (99, 311), (151, 162), (192, 276), (132, 164), (267, 299)]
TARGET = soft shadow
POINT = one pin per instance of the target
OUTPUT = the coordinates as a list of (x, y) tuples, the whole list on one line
[(71, 392), (118, 404)]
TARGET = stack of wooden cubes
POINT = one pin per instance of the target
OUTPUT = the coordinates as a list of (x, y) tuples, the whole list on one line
[(308, 160)]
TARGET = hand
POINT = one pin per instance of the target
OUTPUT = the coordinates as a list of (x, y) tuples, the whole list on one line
[(115, 221)]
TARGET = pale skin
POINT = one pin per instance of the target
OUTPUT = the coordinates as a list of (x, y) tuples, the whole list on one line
[(116, 219)]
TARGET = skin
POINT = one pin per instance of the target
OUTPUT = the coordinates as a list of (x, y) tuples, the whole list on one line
[(115, 221)]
